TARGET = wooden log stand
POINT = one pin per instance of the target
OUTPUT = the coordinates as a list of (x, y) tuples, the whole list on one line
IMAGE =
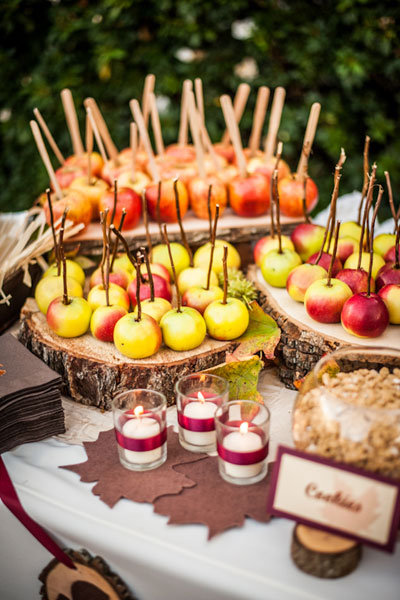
[(93, 371)]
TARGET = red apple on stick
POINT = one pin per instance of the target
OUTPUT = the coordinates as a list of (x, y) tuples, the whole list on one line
[(119, 199), (390, 294)]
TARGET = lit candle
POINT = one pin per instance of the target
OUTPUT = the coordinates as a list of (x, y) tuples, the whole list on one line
[(242, 442), (139, 427), (199, 414)]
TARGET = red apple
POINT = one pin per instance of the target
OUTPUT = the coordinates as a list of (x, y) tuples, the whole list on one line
[(390, 255), (325, 262), (258, 165), (126, 198), (79, 209), (117, 296), (162, 289), (125, 156), (199, 297), (167, 201), (181, 153), (365, 315), (65, 175), (307, 239), (345, 248), (226, 151), (324, 302), (111, 171), (249, 197), (120, 278), (387, 274), (156, 269), (268, 243), (356, 279), (390, 294), (103, 321), (91, 192), (81, 161), (291, 196), (301, 278), (198, 196)]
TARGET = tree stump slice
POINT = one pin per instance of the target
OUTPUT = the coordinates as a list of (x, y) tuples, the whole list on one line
[(302, 344), (93, 371)]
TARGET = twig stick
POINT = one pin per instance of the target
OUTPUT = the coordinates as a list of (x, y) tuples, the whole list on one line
[(278, 217), (274, 122), (61, 245), (155, 122), (112, 150), (225, 268), (124, 243), (239, 104), (66, 300), (137, 115), (115, 248), (72, 121), (49, 136), (258, 119), (133, 144), (271, 191), (183, 125), (234, 133), (178, 296), (213, 234), (89, 147), (138, 276), (391, 202), (146, 223), (368, 203), (330, 218), (195, 130), (103, 223), (308, 140), (371, 249), (53, 231), (114, 210), (328, 283), (336, 180), (366, 177), (178, 214), (45, 158), (149, 273), (97, 135), (209, 210)]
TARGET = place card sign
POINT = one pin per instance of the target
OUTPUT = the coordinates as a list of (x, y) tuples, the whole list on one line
[(335, 497)]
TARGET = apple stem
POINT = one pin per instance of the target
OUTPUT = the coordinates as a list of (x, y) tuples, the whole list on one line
[(139, 304), (53, 231), (178, 214), (124, 243), (225, 267), (209, 210), (367, 207), (115, 201), (115, 248), (366, 177), (158, 209), (178, 296), (149, 273), (278, 218), (61, 239), (146, 223), (213, 234), (328, 283), (371, 247), (64, 270), (391, 203)]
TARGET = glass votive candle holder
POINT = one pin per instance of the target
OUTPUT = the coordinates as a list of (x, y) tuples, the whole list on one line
[(197, 398), (140, 422), (242, 428)]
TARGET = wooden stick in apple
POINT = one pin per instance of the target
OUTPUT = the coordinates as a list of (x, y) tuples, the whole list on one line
[(195, 131), (45, 158), (97, 135), (89, 147), (104, 261), (198, 86), (72, 121), (155, 122), (121, 238), (391, 202), (178, 295), (212, 240), (178, 214), (308, 140), (274, 122), (115, 247), (137, 115), (258, 119), (112, 150), (183, 125), (49, 136), (133, 144), (225, 270), (366, 177), (234, 133), (239, 104), (148, 89)]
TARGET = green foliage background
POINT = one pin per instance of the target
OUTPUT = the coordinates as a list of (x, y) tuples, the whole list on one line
[(345, 54)]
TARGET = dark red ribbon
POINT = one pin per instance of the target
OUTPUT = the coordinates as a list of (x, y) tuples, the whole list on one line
[(141, 445), (195, 424), (242, 458), (10, 498)]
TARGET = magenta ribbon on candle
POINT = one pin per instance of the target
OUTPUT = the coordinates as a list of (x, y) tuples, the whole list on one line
[(141, 445), (242, 458), (10, 498), (195, 424)]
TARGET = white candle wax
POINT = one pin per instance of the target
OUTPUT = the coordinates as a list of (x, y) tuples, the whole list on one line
[(238, 441), (140, 428), (199, 410)]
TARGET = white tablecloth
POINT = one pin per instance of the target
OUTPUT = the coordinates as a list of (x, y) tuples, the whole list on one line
[(160, 561)]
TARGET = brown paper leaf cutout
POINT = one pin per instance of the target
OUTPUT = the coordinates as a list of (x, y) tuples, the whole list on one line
[(214, 502), (116, 482)]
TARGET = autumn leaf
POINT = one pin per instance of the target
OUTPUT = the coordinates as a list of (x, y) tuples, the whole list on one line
[(242, 376), (261, 335)]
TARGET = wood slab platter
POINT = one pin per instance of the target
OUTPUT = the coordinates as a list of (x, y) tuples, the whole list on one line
[(93, 371), (231, 228), (303, 340)]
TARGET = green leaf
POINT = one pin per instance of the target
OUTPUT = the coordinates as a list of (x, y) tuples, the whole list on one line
[(242, 376), (261, 335)]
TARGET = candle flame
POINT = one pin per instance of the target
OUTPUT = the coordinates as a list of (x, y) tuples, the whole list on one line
[(200, 397), (138, 411), (244, 427)]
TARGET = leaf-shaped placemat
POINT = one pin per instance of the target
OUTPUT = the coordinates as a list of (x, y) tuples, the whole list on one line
[(262, 334), (214, 502), (242, 376), (116, 482)]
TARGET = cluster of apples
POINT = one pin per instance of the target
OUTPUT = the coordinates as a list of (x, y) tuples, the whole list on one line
[(342, 267), (240, 177)]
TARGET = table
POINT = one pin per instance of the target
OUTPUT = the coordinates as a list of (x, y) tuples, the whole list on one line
[(159, 561)]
